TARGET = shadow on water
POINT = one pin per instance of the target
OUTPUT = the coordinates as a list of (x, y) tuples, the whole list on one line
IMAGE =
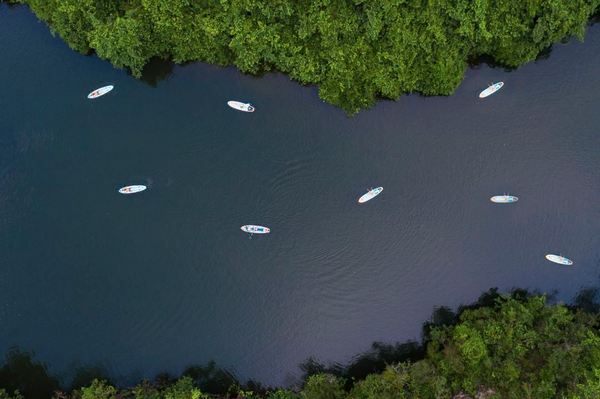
[(22, 372), (372, 361), (30, 377), (211, 378), (84, 375), (544, 54), (587, 300), (156, 70), (478, 61), (485, 59), (489, 61), (159, 69)]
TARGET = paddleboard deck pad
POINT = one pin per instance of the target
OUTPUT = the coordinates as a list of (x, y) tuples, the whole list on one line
[(370, 195), (132, 189), (245, 107), (491, 90), (254, 229), (100, 92)]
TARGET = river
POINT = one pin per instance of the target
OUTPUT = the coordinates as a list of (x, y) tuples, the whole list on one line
[(156, 281)]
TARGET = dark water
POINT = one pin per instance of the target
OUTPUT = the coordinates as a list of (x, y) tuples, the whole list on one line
[(156, 281)]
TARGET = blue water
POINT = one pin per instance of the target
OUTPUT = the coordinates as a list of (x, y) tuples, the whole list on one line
[(157, 281)]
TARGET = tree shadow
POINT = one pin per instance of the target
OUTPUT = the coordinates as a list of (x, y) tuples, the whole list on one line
[(84, 375), (476, 62), (30, 377), (157, 70), (442, 316), (380, 355), (544, 54), (374, 360), (485, 59), (211, 378), (595, 18), (587, 300)]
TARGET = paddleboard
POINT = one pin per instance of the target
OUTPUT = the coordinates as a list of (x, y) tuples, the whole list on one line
[(561, 260), (253, 229), (245, 107), (100, 92), (370, 195), (504, 199), (132, 189), (491, 90)]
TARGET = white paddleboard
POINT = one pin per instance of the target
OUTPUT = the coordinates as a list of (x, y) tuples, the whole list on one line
[(245, 107), (504, 199), (491, 90), (253, 229), (370, 195), (132, 189), (561, 260), (100, 92)]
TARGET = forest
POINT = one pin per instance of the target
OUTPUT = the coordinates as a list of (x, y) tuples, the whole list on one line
[(513, 345), (355, 50)]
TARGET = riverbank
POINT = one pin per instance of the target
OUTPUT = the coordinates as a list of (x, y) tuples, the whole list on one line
[(503, 345), (355, 52)]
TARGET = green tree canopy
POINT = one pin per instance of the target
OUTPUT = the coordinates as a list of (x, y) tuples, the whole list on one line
[(516, 348), (355, 50)]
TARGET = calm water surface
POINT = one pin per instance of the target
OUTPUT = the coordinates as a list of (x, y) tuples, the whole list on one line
[(163, 279)]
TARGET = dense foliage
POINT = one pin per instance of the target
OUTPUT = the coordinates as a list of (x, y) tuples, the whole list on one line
[(354, 50), (513, 346)]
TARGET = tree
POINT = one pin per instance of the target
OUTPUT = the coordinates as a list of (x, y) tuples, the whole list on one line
[(183, 389), (355, 50), (518, 348), (99, 389), (282, 394), (323, 386), (6, 395)]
